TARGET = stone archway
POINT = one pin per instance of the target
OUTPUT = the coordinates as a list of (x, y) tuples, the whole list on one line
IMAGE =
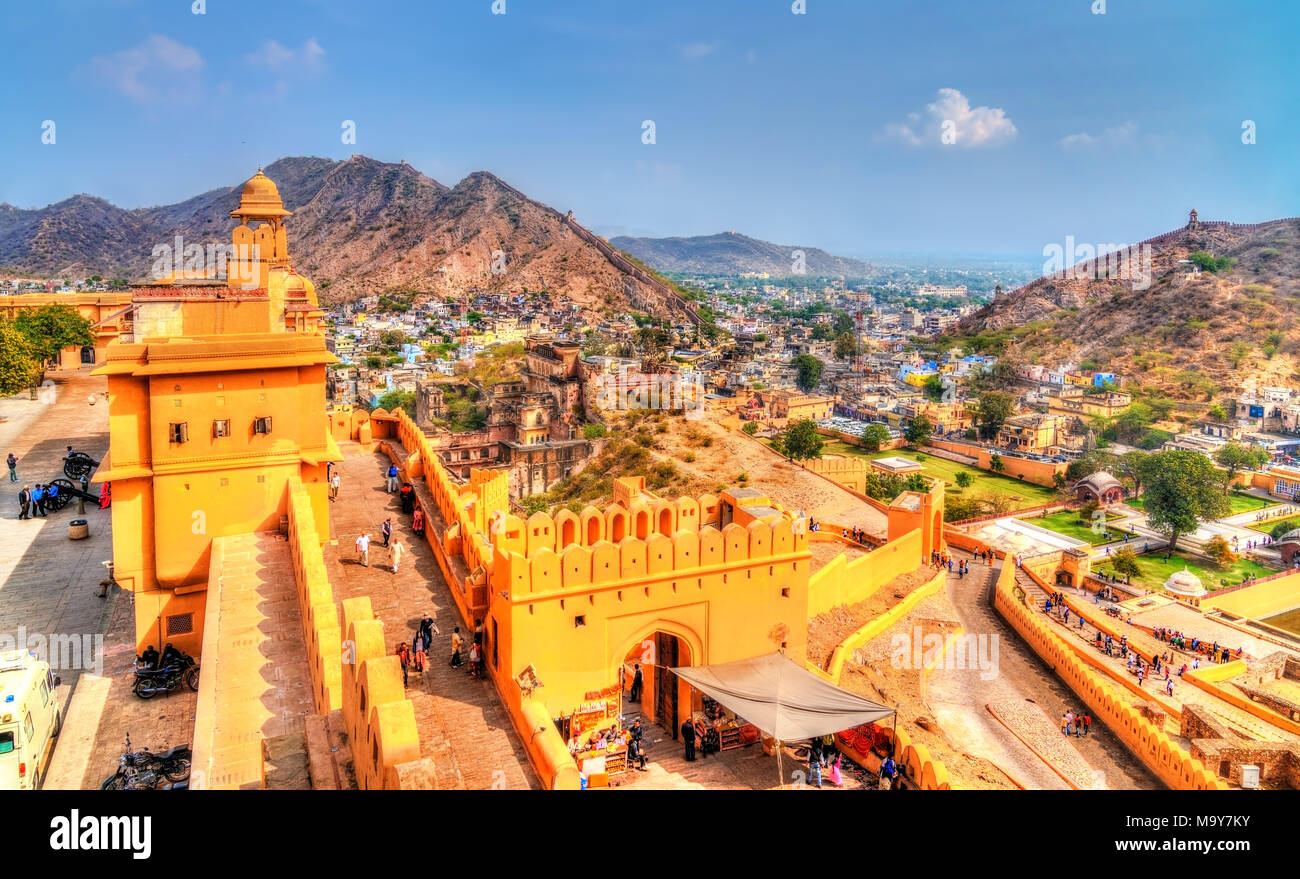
[(88, 355), (664, 699)]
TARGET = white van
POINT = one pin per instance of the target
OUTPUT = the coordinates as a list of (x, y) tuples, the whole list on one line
[(29, 719)]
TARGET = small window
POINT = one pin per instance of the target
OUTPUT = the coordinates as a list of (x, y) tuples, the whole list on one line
[(6, 742), (262, 425), (180, 624), (579, 621), (29, 730), (45, 693), (179, 432), (221, 427)]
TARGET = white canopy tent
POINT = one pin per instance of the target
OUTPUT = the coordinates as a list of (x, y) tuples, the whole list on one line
[(781, 698)]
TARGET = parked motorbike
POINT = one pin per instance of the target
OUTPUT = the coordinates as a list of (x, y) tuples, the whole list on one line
[(145, 770), (175, 669)]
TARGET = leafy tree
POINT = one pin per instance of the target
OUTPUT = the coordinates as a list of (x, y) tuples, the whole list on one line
[(874, 436), (594, 430), (842, 323), (394, 399), (1220, 552), (18, 367), (51, 328), (1210, 263), (992, 410), (964, 479), (1216, 412), (996, 465), (933, 388), (845, 346), (802, 440), (1124, 560), (1128, 468), (1235, 456), (809, 371), (1281, 529), (1181, 491), (1058, 481), (751, 427), (916, 482), (919, 430)]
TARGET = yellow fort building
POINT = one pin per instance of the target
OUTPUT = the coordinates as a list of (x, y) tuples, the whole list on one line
[(215, 404)]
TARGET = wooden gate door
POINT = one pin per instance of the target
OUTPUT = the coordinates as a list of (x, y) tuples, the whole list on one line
[(666, 682)]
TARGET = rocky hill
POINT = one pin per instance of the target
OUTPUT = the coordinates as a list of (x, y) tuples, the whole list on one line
[(1190, 334), (359, 226), (728, 253)]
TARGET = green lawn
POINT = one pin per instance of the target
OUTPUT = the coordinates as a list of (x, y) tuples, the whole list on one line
[(1267, 527), (1237, 503), (1155, 570), (1022, 494), (1067, 522)]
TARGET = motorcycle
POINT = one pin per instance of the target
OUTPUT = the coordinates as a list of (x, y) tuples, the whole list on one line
[(149, 682), (145, 770)]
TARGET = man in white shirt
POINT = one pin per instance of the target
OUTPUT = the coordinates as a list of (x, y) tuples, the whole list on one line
[(363, 549)]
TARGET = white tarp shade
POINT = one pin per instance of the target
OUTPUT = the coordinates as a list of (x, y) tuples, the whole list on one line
[(781, 698)]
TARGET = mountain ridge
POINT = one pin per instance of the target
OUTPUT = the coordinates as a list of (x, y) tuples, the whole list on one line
[(731, 253)]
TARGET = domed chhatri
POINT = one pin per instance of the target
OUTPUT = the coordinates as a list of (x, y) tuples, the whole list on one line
[(260, 198), (1186, 584), (1101, 487)]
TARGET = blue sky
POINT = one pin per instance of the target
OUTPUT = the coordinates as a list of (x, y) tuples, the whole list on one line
[(821, 129)]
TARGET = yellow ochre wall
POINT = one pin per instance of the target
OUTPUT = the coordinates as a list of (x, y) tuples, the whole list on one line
[(1260, 600)]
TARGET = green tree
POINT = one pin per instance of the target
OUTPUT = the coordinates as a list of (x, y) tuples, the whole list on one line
[(964, 479), (51, 328), (1128, 468), (1058, 481), (842, 323), (391, 401), (996, 465), (809, 371), (18, 367), (751, 427), (919, 430), (1235, 456), (1182, 490), (933, 388), (845, 346), (1217, 412), (1124, 561), (594, 430), (991, 411), (802, 441), (1220, 552), (874, 436)]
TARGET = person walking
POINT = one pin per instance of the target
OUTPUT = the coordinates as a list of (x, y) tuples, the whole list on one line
[(1087, 725), (24, 501), (387, 530), (688, 739), (404, 656), (396, 554), (334, 487), (417, 522), (418, 653), (456, 643), (634, 695), (392, 478), (473, 660), (363, 549), (815, 761), (427, 629), (38, 500), (13, 468)]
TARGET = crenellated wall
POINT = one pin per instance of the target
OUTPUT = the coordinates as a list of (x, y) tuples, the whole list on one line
[(379, 719), (315, 601), (1161, 754)]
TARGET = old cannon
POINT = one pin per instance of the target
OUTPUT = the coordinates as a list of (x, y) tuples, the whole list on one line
[(67, 491), (78, 466)]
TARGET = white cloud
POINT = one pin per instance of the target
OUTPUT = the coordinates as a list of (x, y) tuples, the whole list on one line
[(281, 59), (971, 126), (158, 68), (1120, 135), (691, 51)]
